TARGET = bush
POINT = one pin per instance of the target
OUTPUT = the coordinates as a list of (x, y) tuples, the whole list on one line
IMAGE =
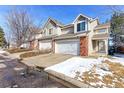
[(34, 53), (120, 49), (16, 50)]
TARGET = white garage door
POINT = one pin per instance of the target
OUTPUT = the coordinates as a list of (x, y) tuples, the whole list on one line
[(43, 45), (68, 47)]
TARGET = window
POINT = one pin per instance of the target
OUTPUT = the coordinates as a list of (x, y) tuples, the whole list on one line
[(81, 26), (50, 31), (102, 30)]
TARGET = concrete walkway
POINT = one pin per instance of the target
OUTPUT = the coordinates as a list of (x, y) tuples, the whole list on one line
[(46, 60), (17, 55)]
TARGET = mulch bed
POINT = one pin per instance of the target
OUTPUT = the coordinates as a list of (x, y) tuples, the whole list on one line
[(16, 50), (34, 53)]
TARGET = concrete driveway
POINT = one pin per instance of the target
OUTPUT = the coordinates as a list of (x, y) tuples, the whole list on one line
[(46, 60)]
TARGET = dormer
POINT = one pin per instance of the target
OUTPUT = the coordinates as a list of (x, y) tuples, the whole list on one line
[(81, 23)]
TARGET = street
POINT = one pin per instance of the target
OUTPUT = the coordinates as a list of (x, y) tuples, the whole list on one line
[(13, 75)]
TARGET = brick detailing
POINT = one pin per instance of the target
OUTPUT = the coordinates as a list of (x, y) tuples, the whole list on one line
[(31, 44), (53, 46), (37, 47), (83, 46), (36, 44)]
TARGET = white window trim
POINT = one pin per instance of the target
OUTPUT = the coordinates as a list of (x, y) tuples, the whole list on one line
[(101, 32), (86, 26), (44, 32), (51, 31)]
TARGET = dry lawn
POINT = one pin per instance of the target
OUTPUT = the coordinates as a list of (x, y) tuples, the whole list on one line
[(113, 80)]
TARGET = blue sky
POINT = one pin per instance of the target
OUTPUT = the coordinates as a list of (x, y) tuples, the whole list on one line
[(64, 14)]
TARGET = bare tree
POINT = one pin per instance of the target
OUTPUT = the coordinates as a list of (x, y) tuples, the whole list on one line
[(8, 38), (20, 24), (115, 8)]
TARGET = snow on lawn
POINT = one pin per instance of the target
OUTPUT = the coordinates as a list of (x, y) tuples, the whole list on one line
[(100, 72), (118, 58), (2, 52), (73, 65)]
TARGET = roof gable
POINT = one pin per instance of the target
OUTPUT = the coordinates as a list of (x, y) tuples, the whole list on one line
[(81, 15), (54, 21)]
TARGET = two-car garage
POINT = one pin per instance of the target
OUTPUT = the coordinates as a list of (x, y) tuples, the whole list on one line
[(70, 46), (74, 46)]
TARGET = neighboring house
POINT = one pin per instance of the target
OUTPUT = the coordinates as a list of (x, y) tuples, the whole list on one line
[(84, 36), (32, 40), (51, 29), (31, 44)]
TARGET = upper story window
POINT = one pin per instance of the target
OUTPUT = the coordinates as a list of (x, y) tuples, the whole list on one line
[(81, 26), (50, 31), (102, 30)]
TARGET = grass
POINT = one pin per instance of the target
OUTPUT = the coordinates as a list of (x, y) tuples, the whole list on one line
[(96, 56), (108, 79), (116, 79), (116, 68), (90, 77)]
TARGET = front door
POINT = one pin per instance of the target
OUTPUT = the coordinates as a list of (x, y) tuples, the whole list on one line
[(101, 46)]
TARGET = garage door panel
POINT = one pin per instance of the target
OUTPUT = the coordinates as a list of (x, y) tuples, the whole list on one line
[(68, 47), (45, 45)]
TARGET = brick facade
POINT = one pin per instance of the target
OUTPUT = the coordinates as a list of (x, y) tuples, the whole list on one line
[(31, 44), (83, 46), (53, 46)]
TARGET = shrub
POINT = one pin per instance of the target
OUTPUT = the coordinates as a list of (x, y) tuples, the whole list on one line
[(34, 53), (120, 49), (16, 50)]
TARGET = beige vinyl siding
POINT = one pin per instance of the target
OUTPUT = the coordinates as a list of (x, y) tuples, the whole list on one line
[(69, 30)]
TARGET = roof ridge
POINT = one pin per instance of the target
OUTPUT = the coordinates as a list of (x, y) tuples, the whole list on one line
[(56, 21)]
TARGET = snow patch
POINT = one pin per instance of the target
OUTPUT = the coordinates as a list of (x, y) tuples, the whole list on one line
[(75, 64), (116, 60), (2, 52), (2, 65), (102, 72)]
